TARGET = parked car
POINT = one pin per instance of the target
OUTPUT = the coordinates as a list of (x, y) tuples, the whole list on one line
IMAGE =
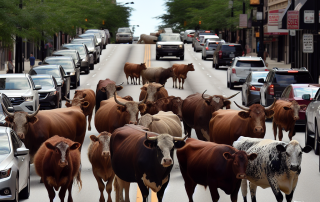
[(86, 57), (62, 79), (102, 34), (169, 45), (9, 107), (181, 35), (209, 47), (224, 54), (69, 67), (21, 91), (93, 49), (108, 35), (201, 39), (167, 30), (76, 58), (197, 34), (96, 39), (14, 166), (278, 79), (50, 93), (124, 35), (241, 68), (251, 88), (188, 36)]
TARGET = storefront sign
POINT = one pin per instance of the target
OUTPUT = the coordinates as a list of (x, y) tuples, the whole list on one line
[(273, 17), (292, 32), (308, 16), (243, 21), (293, 20), (307, 43)]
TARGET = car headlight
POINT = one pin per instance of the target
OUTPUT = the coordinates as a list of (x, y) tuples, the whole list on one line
[(52, 93), (29, 98), (5, 173), (72, 73), (159, 46), (181, 46)]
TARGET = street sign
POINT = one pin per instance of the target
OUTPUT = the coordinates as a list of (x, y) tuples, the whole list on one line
[(307, 43), (293, 20), (308, 16), (292, 32), (243, 21)]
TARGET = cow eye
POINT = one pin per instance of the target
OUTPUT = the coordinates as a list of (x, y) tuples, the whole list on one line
[(300, 153), (287, 154)]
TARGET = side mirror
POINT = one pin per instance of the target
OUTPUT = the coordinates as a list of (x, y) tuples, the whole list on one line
[(155, 40), (37, 87), (261, 81), (21, 152), (306, 96), (39, 63), (10, 109)]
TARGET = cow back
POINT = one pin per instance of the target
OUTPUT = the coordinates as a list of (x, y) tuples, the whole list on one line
[(161, 93), (102, 95), (169, 123), (189, 107), (151, 73), (91, 99)]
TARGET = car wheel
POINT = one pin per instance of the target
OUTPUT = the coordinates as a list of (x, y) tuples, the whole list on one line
[(308, 140), (98, 60), (157, 57), (87, 70), (243, 103), (316, 139), (16, 191), (91, 66), (228, 81), (25, 193), (194, 49), (216, 66), (181, 57), (231, 84), (95, 60)]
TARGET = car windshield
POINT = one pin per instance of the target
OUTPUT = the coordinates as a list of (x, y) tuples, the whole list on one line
[(14, 83), (44, 82), (4, 144), (298, 92), (242, 63), (66, 64), (80, 49), (73, 55), (54, 72), (169, 37), (260, 75), (88, 43), (213, 45), (124, 30), (231, 48), (292, 78)]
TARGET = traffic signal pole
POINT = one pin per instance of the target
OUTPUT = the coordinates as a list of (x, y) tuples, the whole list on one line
[(18, 58), (261, 35)]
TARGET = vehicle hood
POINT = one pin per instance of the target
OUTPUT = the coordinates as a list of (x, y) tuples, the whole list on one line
[(124, 33), (17, 93), (169, 43), (46, 89), (5, 160)]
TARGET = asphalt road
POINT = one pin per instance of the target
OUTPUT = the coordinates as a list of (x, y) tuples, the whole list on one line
[(203, 78)]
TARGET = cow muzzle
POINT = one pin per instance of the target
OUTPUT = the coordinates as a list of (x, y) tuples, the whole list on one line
[(63, 164), (21, 136), (296, 118), (241, 176), (258, 129), (294, 168), (105, 154), (166, 162)]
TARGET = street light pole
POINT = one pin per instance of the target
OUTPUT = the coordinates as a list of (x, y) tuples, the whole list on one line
[(261, 45), (18, 58)]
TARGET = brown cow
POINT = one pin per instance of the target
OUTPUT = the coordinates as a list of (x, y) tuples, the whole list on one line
[(214, 165), (99, 157), (154, 91), (133, 70), (165, 104), (285, 116), (116, 113), (226, 126), (105, 90), (57, 162), (156, 74), (147, 39), (180, 72), (197, 111), (34, 129), (86, 100)]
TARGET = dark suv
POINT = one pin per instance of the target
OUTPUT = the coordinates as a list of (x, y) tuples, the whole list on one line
[(224, 54), (278, 79)]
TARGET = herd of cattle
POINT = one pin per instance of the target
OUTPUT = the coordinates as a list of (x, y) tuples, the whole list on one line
[(230, 149)]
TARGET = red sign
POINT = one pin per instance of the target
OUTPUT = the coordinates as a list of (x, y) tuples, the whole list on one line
[(293, 20)]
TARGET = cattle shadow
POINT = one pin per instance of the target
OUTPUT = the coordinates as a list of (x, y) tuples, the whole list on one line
[(168, 59)]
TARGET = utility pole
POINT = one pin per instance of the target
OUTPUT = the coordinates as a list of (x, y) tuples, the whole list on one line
[(244, 41), (18, 58), (261, 45)]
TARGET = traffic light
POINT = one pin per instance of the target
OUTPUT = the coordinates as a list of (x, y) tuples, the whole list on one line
[(103, 22), (254, 2), (199, 22), (185, 23), (86, 20)]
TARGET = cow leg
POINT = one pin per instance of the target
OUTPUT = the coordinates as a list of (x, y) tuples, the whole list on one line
[(280, 133), (275, 188), (253, 190), (144, 190), (244, 189), (89, 120), (62, 193), (187, 129), (127, 79), (109, 187), (101, 186), (70, 199), (173, 82), (292, 132), (179, 79), (163, 188), (139, 80), (234, 194), (289, 197), (50, 190), (214, 193), (274, 129), (182, 82)]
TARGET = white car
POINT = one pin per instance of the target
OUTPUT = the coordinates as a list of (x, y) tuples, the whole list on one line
[(14, 167), (204, 38), (241, 67), (21, 91)]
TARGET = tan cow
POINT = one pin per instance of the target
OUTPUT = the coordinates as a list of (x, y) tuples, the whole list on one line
[(162, 122), (100, 159), (134, 70), (147, 39), (180, 72), (154, 91), (156, 74)]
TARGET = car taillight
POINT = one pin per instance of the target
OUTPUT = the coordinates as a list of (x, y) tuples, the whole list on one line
[(220, 54), (198, 40), (189, 35), (254, 88), (266, 70), (233, 70), (292, 71), (271, 89), (242, 53), (207, 48)]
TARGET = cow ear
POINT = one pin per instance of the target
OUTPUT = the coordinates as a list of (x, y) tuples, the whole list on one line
[(143, 88), (9, 119), (94, 138), (252, 156), (85, 104), (128, 98), (68, 104), (33, 120), (50, 146), (280, 148), (75, 146), (227, 103), (243, 114), (103, 89), (228, 156), (306, 149), (286, 108), (118, 88), (269, 113), (142, 108), (166, 101), (149, 144), (121, 108)]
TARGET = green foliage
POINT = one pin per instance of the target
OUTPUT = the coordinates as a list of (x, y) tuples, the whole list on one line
[(39, 19), (213, 14)]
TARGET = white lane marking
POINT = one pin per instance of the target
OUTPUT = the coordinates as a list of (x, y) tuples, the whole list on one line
[(106, 59), (88, 84), (202, 68), (199, 63), (99, 68), (94, 75), (196, 58)]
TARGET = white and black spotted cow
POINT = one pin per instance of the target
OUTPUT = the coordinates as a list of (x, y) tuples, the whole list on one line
[(278, 166)]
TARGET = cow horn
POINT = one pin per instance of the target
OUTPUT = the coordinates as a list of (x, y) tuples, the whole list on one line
[(203, 94), (120, 84), (67, 99), (241, 107), (142, 101), (6, 111), (180, 138), (34, 113), (231, 96), (115, 99), (271, 106), (151, 138)]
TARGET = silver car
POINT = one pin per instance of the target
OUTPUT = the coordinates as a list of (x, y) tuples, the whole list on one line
[(14, 167), (209, 47), (102, 33), (87, 58), (124, 35), (188, 36)]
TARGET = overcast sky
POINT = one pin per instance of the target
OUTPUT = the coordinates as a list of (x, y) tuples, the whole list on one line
[(144, 13)]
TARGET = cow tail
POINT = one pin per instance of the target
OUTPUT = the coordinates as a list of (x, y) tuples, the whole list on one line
[(116, 188), (78, 179)]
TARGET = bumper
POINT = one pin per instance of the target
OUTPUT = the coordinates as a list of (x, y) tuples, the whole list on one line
[(254, 97), (84, 65), (224, 62), (48, 102), (8, 183), (209, 54), (124, 40), (170, 52), (236, 79)]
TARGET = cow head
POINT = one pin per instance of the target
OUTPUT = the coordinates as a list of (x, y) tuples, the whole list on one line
[(239, 162), (132, 108), (177, 106), (170, 72), (61, 152), (294, 109), (292, 153), (164, 146), (256, 115), (103, 140), (190, 67), (152, 89), (110, 88), (20, 121), (142, 66), (217, 102), (146, 120)]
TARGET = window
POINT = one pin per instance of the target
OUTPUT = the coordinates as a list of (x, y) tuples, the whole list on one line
[(298, 92), (54, 72), (66, 64), (242, 63), (14, 84), (292, 78), (233, 48), (44, 82), (260, 75), (4, 144)]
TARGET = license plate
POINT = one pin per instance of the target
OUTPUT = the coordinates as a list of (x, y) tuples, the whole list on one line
[(242, 80), (231, 55), (169, 53)]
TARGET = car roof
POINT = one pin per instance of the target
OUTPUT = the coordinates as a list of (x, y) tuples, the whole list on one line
[(226, 44), (73, 44), (302, 69), (83, 39), (59, 57), (307, 85), (47, 67), (41, 76), (88, 34), (248, 58), (21, 75), (65, 50), (211, 36), (259, 72)]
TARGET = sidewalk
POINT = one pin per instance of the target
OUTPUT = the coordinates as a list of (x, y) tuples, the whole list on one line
[(273, 63), (26, 66)]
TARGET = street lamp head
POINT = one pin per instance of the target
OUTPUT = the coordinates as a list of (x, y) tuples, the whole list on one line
[(129, 2)]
